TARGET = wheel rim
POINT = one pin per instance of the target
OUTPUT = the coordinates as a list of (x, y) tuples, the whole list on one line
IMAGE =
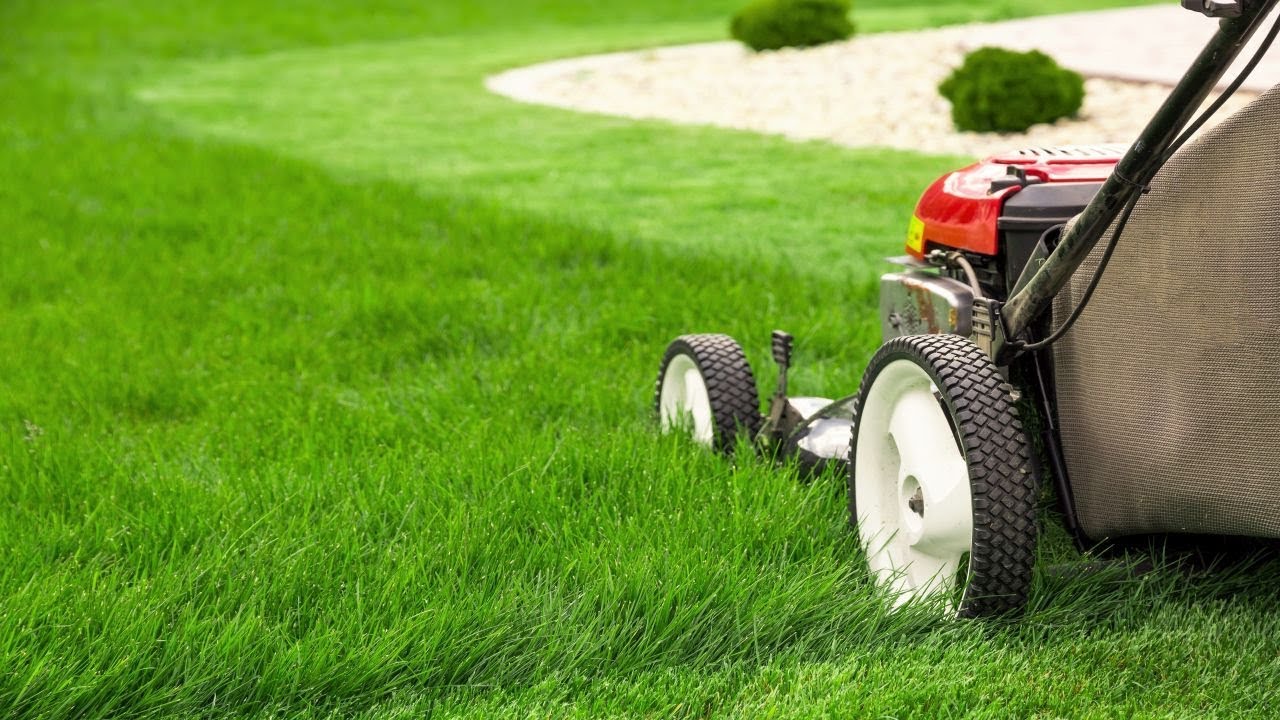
[(685, 403), (911, 487)]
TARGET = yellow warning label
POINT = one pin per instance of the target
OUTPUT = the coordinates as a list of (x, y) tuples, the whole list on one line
[(915, 235)]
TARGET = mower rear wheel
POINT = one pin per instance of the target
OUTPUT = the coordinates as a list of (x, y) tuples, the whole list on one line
[(706, 388), (941, 486)]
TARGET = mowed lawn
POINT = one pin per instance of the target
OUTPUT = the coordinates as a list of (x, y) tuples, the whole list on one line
[(325, 387)]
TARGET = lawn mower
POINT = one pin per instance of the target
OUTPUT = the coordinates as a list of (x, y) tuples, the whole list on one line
[(1157, 410)]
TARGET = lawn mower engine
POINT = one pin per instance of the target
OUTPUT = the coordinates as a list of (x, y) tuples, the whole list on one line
[(970, 238), (993, 214)]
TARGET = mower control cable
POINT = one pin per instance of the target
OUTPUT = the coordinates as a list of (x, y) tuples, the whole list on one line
[(1142, 187), (1227, 92), (1093, 283)]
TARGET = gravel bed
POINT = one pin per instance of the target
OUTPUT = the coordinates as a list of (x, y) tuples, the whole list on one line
[(874, 90)]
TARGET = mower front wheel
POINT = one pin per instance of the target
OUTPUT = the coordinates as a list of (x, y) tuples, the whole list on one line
[(941, 487), (706, 388)]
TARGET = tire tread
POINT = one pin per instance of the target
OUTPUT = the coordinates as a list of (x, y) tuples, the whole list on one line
[(1001, 474), (731, 385)]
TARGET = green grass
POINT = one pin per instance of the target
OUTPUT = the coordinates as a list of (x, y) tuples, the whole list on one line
[(325, 384)]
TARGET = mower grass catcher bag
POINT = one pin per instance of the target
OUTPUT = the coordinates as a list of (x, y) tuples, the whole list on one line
[(1169, 385)]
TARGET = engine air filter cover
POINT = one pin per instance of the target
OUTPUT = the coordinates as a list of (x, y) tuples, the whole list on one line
[(961, 210)]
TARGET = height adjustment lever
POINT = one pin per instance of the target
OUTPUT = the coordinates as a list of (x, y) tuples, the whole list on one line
[(782, 343), (1215, 8)]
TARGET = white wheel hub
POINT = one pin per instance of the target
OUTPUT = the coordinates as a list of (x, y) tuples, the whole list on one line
[(911, 486), (684, 403)]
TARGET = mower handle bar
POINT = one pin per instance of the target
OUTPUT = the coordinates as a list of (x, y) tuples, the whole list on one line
[(1133, 173)]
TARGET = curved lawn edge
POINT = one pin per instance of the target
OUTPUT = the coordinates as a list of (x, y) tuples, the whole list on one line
[(880, 90)]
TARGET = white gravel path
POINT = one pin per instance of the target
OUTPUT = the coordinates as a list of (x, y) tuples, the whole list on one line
[(881, 90)]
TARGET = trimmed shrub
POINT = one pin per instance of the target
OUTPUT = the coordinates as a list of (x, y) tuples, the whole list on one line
[(773, 24), (998, 90)]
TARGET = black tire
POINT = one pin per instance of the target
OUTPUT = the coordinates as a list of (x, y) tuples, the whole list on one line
[(731, 386), (980, 407)]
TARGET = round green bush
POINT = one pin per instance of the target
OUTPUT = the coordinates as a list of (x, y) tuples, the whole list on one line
[(773, 24), (998, 90)]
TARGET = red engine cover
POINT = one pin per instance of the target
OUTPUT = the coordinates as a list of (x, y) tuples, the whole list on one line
[(961, 209)]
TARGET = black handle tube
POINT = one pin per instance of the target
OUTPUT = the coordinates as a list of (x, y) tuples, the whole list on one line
[(1134, 170)]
